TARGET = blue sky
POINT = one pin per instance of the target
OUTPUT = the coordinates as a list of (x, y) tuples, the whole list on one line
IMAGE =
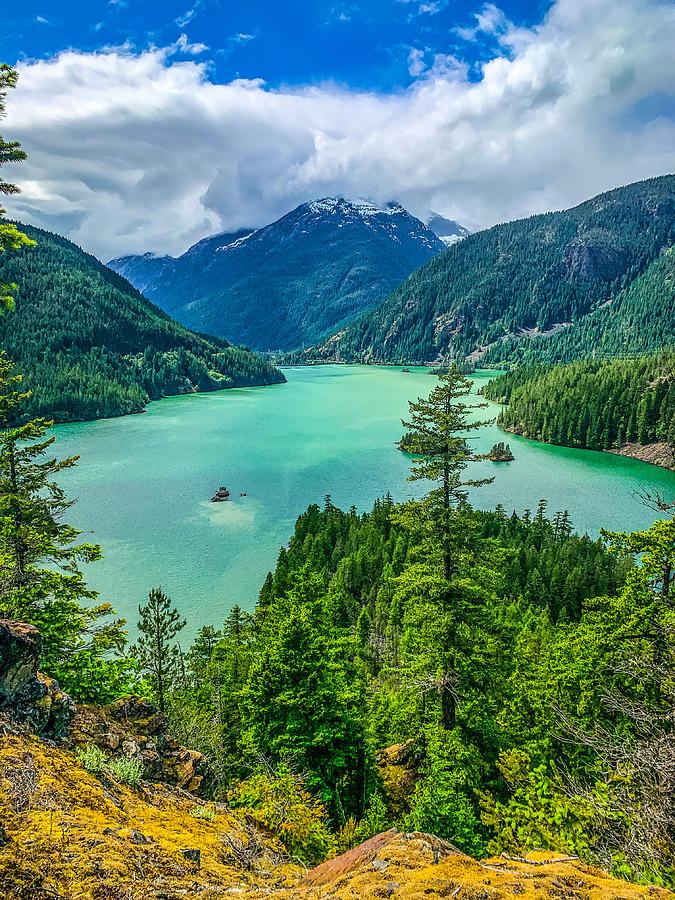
[(361, 44), (149, 125)]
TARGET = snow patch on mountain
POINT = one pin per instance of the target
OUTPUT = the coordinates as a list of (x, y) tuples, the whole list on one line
[(449, 231), (235, 244), (363, 208)]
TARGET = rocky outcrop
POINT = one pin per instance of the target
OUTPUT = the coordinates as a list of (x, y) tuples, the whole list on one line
[(594, 255), (397, 766), (135, 728), (220, 495), (28, 698), (31, 702), (69, 833), (416, 865)]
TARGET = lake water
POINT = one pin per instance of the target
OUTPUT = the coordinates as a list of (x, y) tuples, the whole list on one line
[(144, 482)]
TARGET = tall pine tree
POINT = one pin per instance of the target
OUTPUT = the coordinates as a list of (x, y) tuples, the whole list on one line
[(155, 651), (437, 437)]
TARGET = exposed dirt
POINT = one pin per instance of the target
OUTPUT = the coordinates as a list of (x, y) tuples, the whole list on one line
[(657, 454)]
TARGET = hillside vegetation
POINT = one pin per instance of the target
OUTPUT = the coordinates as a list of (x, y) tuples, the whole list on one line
[(598, 404), (639, 320), (90, 345), (498, 291)]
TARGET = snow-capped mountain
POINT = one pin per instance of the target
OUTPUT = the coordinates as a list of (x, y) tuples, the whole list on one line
[(447, 230), (292, 282)]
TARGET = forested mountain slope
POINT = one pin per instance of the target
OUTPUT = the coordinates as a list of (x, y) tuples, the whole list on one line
[(525, 278), (90, 345), (293, 282), (640, 319), (598, 404)]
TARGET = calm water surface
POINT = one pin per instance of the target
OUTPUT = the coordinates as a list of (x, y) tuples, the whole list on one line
[(144, 482)]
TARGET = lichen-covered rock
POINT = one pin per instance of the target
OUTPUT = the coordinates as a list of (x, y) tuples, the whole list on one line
[(397, 766), (135, 728), (27, 697), (69, 833), (421, 865)]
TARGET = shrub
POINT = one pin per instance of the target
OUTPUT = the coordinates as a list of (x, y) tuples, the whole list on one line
[(539, 812), (126, 769), (203, 812), (92, 758), (277, 798)]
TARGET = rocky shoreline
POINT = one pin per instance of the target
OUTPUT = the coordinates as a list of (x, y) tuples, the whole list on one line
[(656, 454)]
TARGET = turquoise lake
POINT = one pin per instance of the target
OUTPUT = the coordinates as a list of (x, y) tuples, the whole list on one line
[(144, 482)]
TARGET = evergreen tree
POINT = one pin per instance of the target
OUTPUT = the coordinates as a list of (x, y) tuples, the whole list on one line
[(10, 151), (40, 578), (155, 651), (437, 437), (300, 701)]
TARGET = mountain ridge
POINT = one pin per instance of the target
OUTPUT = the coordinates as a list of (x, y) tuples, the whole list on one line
[(292, 282), (499, 287)]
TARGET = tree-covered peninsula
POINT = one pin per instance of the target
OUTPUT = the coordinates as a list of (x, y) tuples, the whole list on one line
[(596, 404)]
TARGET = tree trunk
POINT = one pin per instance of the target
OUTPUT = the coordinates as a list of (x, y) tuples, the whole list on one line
[(448, 709), (448, 700)]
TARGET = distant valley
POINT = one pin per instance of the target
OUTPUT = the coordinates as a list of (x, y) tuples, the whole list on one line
[(295, 281)]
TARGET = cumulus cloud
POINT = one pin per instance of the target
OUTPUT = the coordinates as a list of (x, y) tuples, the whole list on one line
[(131, 152)]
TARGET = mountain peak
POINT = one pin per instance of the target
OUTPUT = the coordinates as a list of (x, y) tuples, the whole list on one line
[(447, 230), (345, 206), (295, 281)]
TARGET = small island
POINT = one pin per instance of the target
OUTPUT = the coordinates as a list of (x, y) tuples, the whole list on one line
[(500, 452), (220, 495), (405, 444)]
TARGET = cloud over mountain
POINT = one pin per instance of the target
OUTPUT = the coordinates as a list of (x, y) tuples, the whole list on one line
[(133, 151)]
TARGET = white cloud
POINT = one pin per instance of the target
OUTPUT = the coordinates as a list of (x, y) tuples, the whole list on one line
[(42, 20), (186, 17), (182, 45), (426, 7), (416, 64), (131, 152)]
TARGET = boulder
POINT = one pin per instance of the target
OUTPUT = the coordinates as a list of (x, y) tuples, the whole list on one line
[(27, 697), (20, 649)]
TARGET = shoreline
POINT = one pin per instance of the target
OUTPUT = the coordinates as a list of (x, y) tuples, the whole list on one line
[(658, 453)]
